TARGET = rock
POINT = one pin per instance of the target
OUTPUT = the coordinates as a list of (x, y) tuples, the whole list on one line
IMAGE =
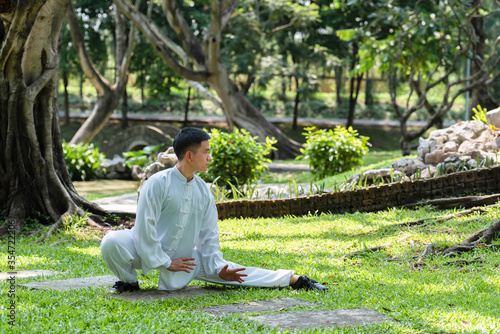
[(435, 157), (493, 117), (468, 147), (428, 172), (136, 172), (164, 160), (450, 146), (115, 168), (471, 130)]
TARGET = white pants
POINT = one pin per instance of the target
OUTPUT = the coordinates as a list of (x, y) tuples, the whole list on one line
[(119, 254)]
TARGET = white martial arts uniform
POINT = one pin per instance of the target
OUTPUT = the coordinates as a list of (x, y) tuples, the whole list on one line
[(176, 218)]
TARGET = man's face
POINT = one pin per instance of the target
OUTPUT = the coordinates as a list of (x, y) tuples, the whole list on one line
[(201, 158)]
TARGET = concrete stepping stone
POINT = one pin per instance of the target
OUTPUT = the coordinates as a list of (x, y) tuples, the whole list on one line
[(27, 273), (301, 320), (187, 292), (273, 305), (74, 283)]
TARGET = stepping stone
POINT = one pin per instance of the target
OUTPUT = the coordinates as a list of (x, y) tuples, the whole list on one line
[(275, 305), (27, 273), (187, 292), (301, 320), (74, 283)]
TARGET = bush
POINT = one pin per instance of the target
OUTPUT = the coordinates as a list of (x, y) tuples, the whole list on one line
[(142, 158), (333, 151), (82, 161), (237, 158)]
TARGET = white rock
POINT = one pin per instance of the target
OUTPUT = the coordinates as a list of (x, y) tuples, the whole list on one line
[(493, 117), (450, 146), (434, 158)]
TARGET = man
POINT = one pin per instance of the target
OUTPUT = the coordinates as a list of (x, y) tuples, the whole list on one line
[(176, 231)]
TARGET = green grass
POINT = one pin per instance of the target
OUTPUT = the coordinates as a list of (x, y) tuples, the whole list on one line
[(437, 299)]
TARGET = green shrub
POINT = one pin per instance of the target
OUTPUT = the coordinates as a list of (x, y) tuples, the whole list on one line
[(82, 161), (333, 151), (237, 158), (143, 157)]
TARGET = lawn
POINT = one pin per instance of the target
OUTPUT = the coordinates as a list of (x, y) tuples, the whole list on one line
[(438, 298)]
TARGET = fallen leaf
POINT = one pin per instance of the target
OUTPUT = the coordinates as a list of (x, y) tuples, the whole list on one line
[(465, 323)]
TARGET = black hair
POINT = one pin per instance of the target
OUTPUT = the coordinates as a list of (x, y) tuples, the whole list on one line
[(188, 139)]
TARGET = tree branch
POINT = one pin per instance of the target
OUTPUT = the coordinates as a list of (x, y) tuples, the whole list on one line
[(143, 23), (191, 44), (97, 80)]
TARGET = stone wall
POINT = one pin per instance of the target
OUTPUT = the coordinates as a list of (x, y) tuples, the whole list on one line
[(483, 180)]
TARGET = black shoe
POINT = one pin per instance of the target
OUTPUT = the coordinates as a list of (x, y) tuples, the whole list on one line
[(306, 283), (120, 287)]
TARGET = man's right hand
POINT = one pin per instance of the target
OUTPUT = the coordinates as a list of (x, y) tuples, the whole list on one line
[(182, 264)]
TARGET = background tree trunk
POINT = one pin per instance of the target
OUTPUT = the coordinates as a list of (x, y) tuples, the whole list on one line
[(125, 109), (108, 95), (480, 95), (66, 96), (33, 174)]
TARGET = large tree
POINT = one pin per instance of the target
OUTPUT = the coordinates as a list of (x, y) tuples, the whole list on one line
[(33, 174), (198, 59)]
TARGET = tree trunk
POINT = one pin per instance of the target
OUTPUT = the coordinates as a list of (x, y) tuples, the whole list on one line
[(244, 115), (354, 87), (368, 90), (66, 96), (338, 84), (125, 109), (480, 95), (186, 107), (108, 95), (81, 92), (296, 105), (33, 174)]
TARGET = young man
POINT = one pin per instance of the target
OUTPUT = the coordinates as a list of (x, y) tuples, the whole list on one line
[(176, 231)]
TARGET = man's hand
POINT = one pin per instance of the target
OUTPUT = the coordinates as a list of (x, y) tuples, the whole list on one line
[(232, 274), (182, 264)]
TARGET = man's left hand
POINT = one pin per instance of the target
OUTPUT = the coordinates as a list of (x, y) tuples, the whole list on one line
[(232, 274)]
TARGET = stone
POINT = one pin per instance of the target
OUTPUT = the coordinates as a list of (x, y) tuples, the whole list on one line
[(136, 173), (74, 283), (493, 145), (187, 292), (440, 140), (434, 158), (28, 273), (470, 130), (468, 147), (115, 168), (493, 117), (275, 305), (450, 146), (329, 319), (428, 172)]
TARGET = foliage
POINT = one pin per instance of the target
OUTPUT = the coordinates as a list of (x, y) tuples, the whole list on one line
[(82, 161), (480, 115), (141, 157), (238, 158), (333, 151)]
